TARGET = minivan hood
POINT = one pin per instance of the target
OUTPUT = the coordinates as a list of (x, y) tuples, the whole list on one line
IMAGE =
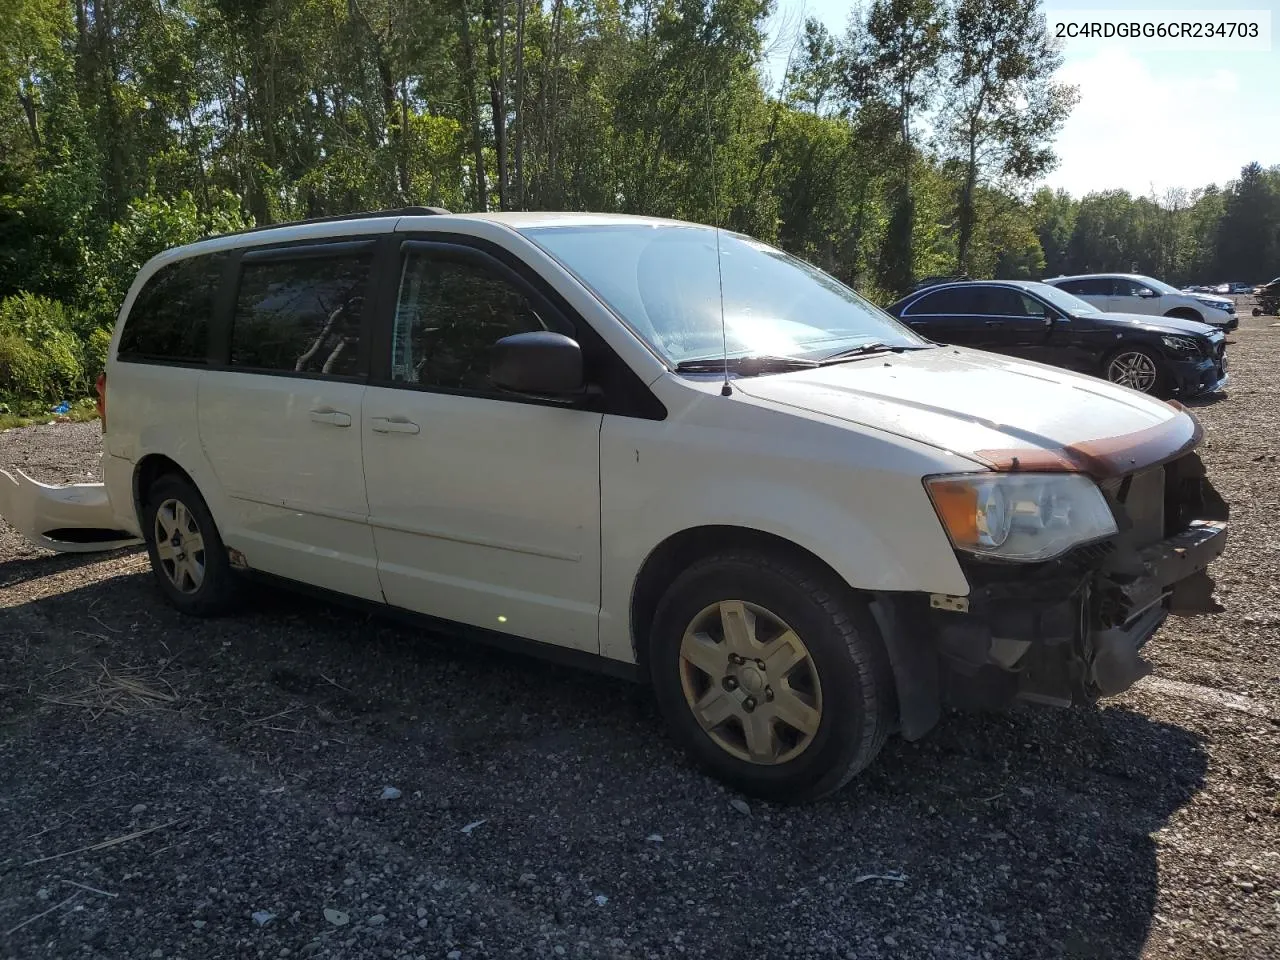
[(1159, 324), (1000, 412)]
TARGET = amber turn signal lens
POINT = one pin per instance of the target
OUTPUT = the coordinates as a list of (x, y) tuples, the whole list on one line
[(957, 504)]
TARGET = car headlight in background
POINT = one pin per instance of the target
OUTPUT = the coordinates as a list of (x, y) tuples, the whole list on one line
[(1187, 346), (1020, 516)]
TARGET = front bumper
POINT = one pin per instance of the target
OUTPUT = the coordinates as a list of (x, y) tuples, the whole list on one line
[(1071, 630), (1201, 377)]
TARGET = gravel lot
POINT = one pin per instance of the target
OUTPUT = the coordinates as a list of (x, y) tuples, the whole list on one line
[(175, 788)]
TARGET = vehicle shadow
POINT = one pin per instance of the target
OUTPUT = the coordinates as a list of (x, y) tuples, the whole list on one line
[(1020, 834), (25, 569)]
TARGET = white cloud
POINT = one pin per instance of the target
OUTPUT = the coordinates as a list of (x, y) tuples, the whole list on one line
[(1135, 130)]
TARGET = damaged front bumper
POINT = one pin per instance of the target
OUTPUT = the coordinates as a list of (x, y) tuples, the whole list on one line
[(1071, 630), (77, 518)]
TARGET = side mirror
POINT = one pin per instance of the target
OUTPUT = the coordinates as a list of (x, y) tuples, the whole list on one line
[(541, 363), (1146, 293)]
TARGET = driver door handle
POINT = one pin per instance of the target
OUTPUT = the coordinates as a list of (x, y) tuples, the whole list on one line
[(995, 323), (393, 425), (335, 418)]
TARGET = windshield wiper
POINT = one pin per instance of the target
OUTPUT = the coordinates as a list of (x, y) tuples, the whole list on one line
[(868, 349), (746, 366)]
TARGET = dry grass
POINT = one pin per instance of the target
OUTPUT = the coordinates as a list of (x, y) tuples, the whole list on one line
[(114, 691)]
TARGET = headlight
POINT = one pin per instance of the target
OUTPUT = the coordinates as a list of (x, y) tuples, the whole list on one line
[(1020, 516), (1216, 304), (1184, 345)]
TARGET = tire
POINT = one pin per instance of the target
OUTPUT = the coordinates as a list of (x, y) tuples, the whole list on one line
[(213, 590), (1185, 313), (1129, 356), (845, 678)]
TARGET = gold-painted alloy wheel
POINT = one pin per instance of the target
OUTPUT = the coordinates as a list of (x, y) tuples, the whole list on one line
[(180, 546), (750, 682)]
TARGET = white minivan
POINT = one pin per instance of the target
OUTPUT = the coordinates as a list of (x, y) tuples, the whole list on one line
[(660, 449)]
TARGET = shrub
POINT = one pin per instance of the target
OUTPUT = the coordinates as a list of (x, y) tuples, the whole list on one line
[(40, 356), (94, 355)]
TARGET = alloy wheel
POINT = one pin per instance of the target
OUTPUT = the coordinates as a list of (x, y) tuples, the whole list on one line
[(180, 546), (750, 682), (1133, 369)]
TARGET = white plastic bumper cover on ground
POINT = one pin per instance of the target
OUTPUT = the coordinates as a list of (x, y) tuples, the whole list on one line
[(80, 512)]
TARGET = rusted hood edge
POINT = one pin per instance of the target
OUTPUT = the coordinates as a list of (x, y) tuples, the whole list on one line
[(1104, 457)]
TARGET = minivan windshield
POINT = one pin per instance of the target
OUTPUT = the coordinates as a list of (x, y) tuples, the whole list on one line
[(663, 281)]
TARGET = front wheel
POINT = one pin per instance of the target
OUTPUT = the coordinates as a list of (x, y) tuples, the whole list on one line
[(772, 675), (1137, 368)]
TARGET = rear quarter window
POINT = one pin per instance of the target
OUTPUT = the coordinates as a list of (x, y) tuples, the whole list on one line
[(170, 317)]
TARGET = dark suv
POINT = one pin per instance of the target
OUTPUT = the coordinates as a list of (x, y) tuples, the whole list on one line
[(1165, 356)]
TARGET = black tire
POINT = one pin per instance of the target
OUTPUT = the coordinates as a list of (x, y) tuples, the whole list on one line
[(216, 592), (859, 706), (1186, 313), (1159, 387)]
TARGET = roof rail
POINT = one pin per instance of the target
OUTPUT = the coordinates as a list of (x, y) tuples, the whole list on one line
[(338, 217)]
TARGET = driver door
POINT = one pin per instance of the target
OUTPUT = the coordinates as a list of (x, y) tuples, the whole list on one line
[(485, 506)]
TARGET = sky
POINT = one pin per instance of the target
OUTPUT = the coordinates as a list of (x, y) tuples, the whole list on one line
[(1148, 119)]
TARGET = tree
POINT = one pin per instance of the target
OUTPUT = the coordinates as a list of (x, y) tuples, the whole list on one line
[(893, 56), (1249, 231), (1003, 108)]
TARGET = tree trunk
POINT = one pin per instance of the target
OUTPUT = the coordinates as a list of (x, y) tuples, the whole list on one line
[(519, 124), (115, 145), (27, 98), (404, 138), (497, 105), (504, 169), (966, 204), (553, 138), (392, 118), (469, 79)]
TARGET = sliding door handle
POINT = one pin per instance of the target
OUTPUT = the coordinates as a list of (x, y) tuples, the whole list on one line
[(393, 425), (335, 418)]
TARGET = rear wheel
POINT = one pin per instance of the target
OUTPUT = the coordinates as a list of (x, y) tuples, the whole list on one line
[(771, 674), (1137, 368), (188, 559)]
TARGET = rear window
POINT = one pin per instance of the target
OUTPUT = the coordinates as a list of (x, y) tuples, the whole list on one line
[(1093, 287), (953, 300), (170, 317), (301, 316)]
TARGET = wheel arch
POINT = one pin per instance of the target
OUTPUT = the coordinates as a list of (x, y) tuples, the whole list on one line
[(148, 470), (1185, 313), (680, 550)]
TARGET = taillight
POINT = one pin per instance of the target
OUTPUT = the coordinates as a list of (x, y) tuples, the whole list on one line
[(101, 387)]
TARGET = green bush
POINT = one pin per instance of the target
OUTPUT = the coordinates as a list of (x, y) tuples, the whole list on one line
[(40, 355), (94, 355)]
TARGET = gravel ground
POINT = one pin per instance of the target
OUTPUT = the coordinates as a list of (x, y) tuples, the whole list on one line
[(177, 788)]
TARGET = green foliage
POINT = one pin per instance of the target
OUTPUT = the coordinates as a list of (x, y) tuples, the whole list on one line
[(40, 357), (162, 123)]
